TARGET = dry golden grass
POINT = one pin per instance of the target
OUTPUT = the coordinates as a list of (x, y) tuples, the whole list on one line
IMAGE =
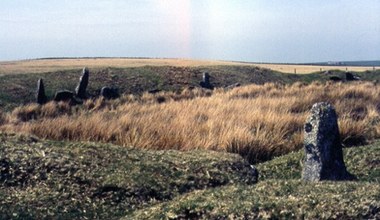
[(46, 65), (305, 69), (259, 122)]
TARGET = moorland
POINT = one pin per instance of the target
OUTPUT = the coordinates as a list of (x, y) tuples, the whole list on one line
[(182, 151)]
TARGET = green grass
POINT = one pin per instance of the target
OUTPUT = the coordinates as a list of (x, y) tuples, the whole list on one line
[(43, 179), (280, 194)]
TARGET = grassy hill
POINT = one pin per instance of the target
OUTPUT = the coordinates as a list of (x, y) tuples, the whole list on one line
[(42, 179), (16, 89)]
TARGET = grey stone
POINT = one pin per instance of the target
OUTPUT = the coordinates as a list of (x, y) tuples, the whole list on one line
[(109, 93), (323, 149), (233, 86), (64, 96), (80, 90), (154, 91), (40, 96), (351, 77), (205, 83), (335, 78)]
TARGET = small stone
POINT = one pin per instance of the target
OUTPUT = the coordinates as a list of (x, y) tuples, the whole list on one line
[(323, 149), (335, 78), (349, 76), (233, 86), (109, 93), (64, 96)]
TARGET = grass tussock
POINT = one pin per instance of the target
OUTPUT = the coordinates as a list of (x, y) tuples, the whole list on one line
[(257, 121)]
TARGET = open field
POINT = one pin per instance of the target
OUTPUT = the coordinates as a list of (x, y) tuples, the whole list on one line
[(43, 179), (49, 65), (306, 69), (256, 121)]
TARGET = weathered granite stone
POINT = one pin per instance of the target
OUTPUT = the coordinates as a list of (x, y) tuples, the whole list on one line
[(40, 96), (323, 149), (205, 83), (64, 95), (109, 93), (80, 90)]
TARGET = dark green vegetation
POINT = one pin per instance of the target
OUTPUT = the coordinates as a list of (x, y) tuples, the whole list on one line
[(42, 179), (16, 89), (46, 179)]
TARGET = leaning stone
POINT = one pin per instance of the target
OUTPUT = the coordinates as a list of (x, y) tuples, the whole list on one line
[(109, 93), (80, 90), (64, 96), (324, 156), (233, 86), (41, 97)]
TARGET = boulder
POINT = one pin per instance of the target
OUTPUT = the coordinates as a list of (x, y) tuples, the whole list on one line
[(64, 96), (335, 78), (109, 93), (323, 149), (154, 91), (80, 90), (40, 96)]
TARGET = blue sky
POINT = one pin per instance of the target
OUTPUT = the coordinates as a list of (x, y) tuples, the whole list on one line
[(242, 30)]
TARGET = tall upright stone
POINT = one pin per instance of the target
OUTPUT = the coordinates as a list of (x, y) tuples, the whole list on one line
[(80, 90), (205, 83), (40, 96), (323, 149)]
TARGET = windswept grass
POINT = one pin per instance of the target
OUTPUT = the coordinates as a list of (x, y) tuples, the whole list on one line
[(257, 121)]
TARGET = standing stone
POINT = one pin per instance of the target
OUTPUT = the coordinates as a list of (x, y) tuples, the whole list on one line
[(323, 149), (205, 83), (80, 90), (41, 97)]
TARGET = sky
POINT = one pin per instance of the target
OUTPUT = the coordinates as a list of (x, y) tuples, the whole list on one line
[(241, 30)]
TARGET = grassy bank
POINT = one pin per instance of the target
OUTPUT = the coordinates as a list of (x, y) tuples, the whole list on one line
[(45, 179)]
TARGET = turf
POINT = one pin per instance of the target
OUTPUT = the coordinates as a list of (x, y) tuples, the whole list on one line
[(42, 179)]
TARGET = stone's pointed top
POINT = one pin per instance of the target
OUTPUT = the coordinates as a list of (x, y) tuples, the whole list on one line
[(323, 149), (85, 70)]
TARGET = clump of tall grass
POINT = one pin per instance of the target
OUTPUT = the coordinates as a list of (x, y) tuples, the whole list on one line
[(256, 121)]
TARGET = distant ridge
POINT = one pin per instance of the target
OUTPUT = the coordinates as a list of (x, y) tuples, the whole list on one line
[(347, 63)]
